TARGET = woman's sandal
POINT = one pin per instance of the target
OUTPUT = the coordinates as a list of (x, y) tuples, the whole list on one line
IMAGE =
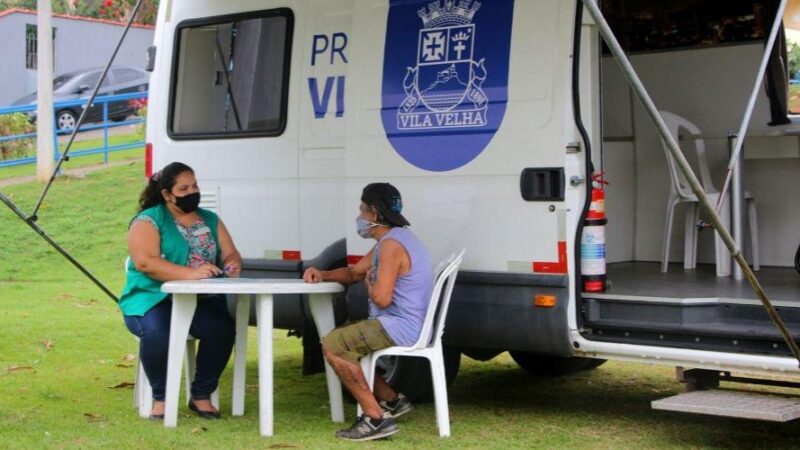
[(203, 414)]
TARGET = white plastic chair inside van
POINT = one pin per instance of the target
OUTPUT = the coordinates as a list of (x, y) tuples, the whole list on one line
[(681, 192), (429, 344)]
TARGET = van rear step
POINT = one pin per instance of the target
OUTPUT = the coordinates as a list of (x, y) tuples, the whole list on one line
[(728, 403), (712, 324)]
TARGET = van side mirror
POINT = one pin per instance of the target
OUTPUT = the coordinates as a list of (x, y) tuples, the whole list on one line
[(82, 88)]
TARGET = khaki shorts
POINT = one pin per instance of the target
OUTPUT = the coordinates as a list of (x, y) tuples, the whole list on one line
[(356, 340)]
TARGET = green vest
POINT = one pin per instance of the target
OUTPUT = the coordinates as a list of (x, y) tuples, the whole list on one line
[(142, 292)]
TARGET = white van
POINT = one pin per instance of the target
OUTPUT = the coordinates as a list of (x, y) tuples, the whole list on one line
[(286, 109)]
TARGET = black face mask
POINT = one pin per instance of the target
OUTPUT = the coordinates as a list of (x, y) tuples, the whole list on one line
[(188, 203)]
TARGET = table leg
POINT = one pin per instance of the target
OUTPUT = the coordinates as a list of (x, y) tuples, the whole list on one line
[(265, 384), (183, 307), (240, 353), (322, 312)]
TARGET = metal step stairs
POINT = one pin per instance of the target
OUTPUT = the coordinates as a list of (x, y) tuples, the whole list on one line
[(733, 403)]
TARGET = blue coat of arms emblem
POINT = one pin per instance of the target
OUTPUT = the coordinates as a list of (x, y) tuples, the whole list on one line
[(439, 116)]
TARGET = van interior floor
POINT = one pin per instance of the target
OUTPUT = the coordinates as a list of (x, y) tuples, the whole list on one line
[(782, 284), (691, 308)]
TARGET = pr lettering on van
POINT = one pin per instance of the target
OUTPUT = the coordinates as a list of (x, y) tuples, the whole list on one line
[(328, 49)]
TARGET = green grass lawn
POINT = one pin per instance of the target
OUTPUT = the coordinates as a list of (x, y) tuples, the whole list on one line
[(83, 161), (63, 348)]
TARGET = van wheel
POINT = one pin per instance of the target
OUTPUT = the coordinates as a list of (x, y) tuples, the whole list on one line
[(412, 376), (554, 365)]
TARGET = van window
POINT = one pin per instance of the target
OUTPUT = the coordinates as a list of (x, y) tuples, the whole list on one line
[(230, 76)]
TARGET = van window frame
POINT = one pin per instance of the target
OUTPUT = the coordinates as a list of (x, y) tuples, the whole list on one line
[(288, 15)]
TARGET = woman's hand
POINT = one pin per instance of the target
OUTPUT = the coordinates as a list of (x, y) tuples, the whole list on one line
[(312, 275), (233, 269), (203, 272)]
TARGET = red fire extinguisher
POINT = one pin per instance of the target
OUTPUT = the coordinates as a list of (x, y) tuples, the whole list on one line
[(593, 240)]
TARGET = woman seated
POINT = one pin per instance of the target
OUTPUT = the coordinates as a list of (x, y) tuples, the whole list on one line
[(171, 238)]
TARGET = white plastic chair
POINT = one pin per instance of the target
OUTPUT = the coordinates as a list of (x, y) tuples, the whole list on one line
[(429, 344), (143, 392), (681, 192)]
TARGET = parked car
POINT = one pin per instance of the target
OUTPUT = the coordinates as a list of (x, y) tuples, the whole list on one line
[(79, 84)]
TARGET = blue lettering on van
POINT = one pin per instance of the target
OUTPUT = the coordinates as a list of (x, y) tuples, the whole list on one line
[(339, 96), (320, 103), (339, 43), (334, 45), (445, 79), (317, 49)]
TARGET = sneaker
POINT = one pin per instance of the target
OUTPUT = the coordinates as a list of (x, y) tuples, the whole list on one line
[(397, 407), (366, 429)]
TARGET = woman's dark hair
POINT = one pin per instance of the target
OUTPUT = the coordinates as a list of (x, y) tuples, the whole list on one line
[(164, 179)]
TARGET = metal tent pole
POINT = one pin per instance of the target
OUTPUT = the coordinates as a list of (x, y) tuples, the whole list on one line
[(630, 74), (59, 249)]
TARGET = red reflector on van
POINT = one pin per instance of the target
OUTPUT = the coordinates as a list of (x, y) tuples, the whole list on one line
[(554, 267), (148, 160), (291, 255), (353, 259)]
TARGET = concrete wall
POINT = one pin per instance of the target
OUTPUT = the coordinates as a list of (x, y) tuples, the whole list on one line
[(710, 88), (79, 44)]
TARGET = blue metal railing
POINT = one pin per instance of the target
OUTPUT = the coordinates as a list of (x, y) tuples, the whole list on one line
[(105, 125)]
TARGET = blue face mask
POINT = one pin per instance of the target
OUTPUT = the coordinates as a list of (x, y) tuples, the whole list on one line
[(363, 226)]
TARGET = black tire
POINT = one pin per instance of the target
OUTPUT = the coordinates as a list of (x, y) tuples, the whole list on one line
[(412, 376), (119, 118), (548, 365), (66, 119)]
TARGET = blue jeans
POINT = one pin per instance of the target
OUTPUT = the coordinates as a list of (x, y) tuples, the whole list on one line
[(211, 324)]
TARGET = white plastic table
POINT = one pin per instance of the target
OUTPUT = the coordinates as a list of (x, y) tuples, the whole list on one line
[(184, 303)]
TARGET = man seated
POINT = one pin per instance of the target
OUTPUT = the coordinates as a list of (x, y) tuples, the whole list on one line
[(398, 274)]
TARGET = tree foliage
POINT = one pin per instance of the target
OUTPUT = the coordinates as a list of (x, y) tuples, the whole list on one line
[(793, 54), (117, 10)]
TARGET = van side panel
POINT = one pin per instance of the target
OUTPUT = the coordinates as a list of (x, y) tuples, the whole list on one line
[(255, 178), (478, 205), (327, 55)]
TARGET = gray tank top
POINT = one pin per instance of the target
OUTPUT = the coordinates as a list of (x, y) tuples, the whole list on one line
[(403, 319)]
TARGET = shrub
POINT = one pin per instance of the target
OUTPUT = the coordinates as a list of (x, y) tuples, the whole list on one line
[(13, 125)]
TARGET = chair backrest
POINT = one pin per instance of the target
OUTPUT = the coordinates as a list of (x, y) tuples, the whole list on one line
[(433, 326), (680, 185)]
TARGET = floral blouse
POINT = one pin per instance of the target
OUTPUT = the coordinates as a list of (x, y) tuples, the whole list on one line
[(202, 247)]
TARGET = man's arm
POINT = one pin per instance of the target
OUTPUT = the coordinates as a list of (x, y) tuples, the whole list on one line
[(345, 275)]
